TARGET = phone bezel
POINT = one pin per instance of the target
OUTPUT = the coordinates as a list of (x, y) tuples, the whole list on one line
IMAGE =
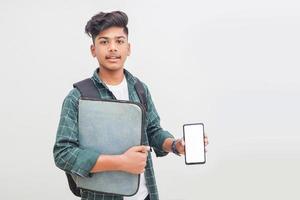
[(194, 163)]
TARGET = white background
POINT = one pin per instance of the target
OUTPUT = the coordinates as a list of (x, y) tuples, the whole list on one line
[(233, 65)]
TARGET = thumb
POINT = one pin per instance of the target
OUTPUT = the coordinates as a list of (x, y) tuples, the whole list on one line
[(141, 148)]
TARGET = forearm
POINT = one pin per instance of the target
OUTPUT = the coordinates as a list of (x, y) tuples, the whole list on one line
[(132, 161), (107, 163), (159, 139), (167, 145)]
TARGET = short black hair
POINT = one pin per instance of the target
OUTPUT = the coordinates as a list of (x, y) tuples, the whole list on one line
[(102, 21)]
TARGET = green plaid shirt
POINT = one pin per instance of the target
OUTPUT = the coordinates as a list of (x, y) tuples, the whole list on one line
[(72, 159)]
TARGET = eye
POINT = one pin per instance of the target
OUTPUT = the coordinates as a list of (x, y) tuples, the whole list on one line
[(103, 42), (120, 41)]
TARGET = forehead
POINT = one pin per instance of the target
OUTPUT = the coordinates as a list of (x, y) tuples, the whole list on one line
[(112, 32)]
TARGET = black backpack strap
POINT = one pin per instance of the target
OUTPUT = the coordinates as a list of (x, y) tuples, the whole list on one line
[(140, 90), (87, 88), (72, 185)]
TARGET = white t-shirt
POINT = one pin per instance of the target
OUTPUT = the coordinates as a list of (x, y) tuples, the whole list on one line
[(121, 93)]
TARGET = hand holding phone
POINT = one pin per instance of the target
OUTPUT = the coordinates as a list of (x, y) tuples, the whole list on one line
[(193, 135)]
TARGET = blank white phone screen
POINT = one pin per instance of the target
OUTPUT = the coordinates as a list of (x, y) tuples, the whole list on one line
[(194, 143)]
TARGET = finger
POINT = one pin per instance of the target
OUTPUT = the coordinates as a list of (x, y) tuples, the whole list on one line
[(182, 142), (145, 150), (137, 148), (181, 150), (206, 140)]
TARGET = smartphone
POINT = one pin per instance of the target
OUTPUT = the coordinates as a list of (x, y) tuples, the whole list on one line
[(193, 135)]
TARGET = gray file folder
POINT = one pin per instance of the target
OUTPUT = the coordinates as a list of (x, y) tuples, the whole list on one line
[(111, 128)]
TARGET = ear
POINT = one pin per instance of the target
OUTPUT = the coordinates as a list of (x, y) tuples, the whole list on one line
[(92, 47), (129, 49)]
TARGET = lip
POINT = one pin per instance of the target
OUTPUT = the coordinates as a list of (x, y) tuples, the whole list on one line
[(113, 59)]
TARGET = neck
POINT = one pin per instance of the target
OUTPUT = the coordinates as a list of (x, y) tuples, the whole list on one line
[(111, 77)]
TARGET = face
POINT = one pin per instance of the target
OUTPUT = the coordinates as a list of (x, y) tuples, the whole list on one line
[(111, 48)]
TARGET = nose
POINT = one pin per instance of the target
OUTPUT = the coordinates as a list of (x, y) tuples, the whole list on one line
[(112, 47)]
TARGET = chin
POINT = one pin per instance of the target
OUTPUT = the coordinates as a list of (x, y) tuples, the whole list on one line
[(112, 67)]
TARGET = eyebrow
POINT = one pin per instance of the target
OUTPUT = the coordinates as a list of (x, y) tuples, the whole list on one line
[(117, 37)]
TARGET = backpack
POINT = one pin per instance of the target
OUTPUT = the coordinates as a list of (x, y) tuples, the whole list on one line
[(88, 89)]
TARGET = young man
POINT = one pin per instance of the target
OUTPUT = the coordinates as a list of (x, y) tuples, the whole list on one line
[(110, 46)]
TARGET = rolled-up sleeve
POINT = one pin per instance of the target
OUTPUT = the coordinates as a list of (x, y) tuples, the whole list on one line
[(156, 135), (68, 156)]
